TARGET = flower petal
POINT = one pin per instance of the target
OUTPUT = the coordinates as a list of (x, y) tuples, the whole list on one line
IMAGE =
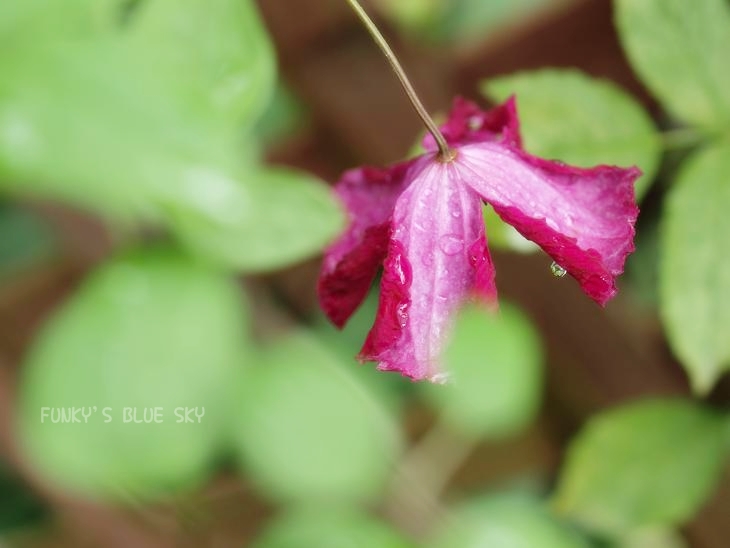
[(583, 218), (350, 264), (468, 123), (436, 259)]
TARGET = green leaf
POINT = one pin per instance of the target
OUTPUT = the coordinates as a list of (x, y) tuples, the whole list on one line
[(147, 330), (392, 390), (580, 120), (651, 463), (32, 239), (325, 527), (413, 15), (98, 125), (694, 276), (124, 123), (471, 20), (220, 46), (279, 216), (308, 431), (505, 521), (680, 49), (284, 117), (45, 20), (495, 366), (505, 236), (642, 268), (653, 537)]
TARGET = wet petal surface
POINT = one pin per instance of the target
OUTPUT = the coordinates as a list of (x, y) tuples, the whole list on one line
[(351, 263), (583, 218), (437, 259)]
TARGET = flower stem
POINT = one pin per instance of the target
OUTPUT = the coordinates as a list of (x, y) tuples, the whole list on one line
[(445, 152), (414, 498)]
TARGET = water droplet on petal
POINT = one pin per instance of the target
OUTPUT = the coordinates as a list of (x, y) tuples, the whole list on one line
[(402, 314), (455, 205), (451, 244), (427, 258), (557, 270)]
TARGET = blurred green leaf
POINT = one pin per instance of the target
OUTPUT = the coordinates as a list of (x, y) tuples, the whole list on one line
[(284, 116), (471, 19), (656, 537), (680, 50), (278, 217), (413, 15), (350, 338), (694, 271), (147, 330), (504, 236), (651, 463), (94, 125), (308, 431), (328, 528), (495, 366), (460, 21), (642, 267), (26, 240), (345, 342), (220, 46), (505, 521), (125, 123), (143, 124), (45, 20), (580, 120)]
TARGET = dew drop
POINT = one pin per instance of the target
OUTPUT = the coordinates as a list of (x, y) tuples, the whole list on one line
[(402, 314), (455, 205), (427, 258), (451, 244), (557, 270)]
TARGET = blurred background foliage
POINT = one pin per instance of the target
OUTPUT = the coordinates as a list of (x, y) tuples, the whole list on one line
[(449, 21), (162, 121)]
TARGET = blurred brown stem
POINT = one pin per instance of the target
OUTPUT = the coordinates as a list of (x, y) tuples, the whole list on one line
[(424, 472)]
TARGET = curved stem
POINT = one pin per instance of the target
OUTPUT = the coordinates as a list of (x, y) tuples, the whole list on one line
[(445, 152), (414, 498)]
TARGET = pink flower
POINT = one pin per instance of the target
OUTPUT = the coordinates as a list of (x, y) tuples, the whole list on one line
[(422, 220)]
